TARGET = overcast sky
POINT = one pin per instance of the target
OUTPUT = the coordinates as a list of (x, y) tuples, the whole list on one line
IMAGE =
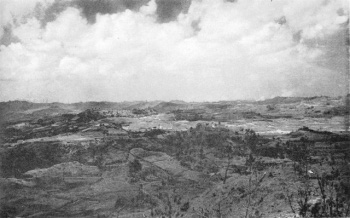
[(199, 50)]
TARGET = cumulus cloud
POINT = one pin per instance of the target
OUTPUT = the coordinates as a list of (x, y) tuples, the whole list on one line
[(195, 51)]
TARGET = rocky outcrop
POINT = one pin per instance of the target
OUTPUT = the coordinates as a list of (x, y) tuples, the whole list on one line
[(163, 162), (15, 181), (69, 169)]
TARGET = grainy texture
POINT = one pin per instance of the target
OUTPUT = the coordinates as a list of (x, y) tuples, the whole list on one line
[(174, 108)]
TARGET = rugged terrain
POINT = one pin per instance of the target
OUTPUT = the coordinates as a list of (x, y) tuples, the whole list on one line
[(280, 157)]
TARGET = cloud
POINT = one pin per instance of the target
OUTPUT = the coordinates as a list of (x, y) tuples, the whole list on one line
[(168, 10), (90, 8), (7, 36), (15, 12), (211, 50)]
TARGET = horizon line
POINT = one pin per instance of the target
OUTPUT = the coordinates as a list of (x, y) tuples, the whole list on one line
[(204, 101)]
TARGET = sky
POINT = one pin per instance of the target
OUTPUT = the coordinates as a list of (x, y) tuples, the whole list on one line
[(199, 50)]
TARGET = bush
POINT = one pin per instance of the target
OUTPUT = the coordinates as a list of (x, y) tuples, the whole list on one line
[(135, 166)]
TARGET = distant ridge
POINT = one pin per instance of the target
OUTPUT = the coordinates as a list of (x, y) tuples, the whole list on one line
[(10, 107)]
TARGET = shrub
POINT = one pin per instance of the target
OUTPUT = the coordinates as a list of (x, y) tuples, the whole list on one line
[(135, 166)]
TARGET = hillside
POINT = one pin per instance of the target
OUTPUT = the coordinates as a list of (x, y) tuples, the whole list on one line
[(273, 158)]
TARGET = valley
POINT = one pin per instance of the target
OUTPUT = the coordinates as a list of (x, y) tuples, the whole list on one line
[(281, 157)]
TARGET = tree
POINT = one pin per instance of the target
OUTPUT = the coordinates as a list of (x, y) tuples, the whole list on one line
[(120, 204), (169, 197), (228, 149), (134, 167)]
